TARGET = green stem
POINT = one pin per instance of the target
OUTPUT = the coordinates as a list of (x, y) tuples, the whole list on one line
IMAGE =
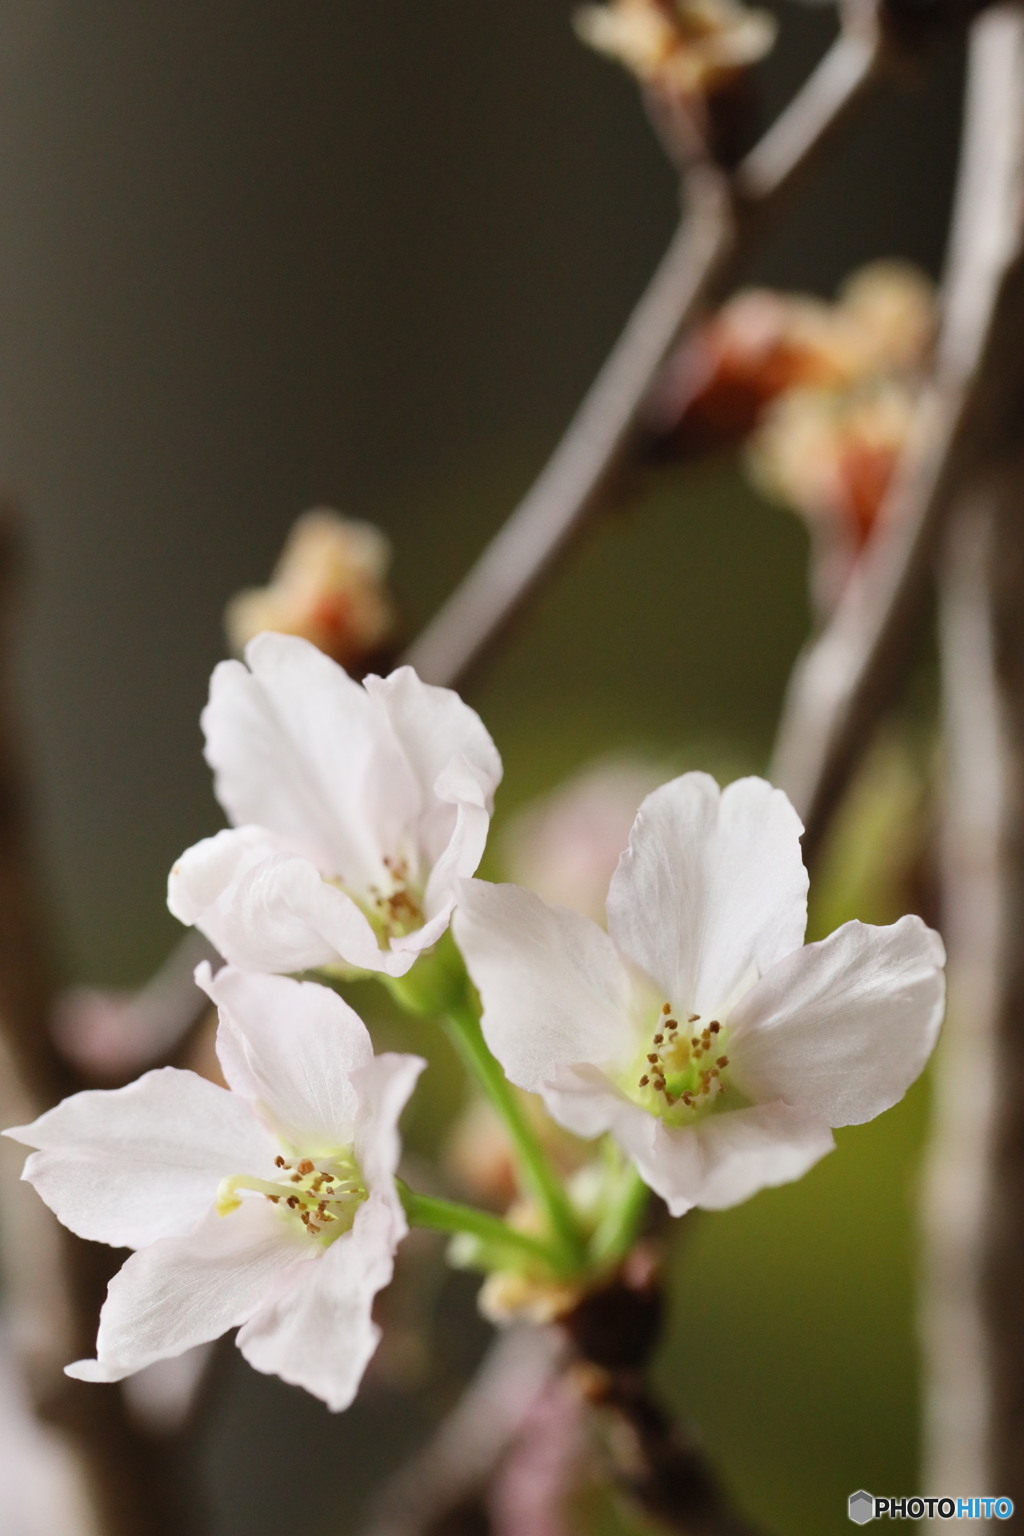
[(450, 1216), (541, 1178), (620, 1221)]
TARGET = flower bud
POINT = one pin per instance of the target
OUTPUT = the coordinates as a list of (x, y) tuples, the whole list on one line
[(830, 456), (762, 345), (687, 47), (328, 587)]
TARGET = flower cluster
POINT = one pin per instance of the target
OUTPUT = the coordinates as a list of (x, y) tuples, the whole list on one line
[(696, 1029), (823, 393)]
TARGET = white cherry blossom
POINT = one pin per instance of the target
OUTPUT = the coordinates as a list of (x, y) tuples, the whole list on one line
[(269, 1206), (356, 809), (699, 1030)]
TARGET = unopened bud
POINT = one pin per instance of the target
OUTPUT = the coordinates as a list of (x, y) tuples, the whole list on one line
[(688, 47), (329, 587), (832, 457), (762, 345)]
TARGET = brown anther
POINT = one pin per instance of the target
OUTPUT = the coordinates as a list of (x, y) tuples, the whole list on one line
[(695, 1040), (714, 1026), (313, 1230), (723, 1061), (279, 1162), (644, 1081), (274, 1199), (671, 1025), (306, 1166), (305, 1218), (693, 1018), (666, 1008), (293, 1201), (652, 1057), (296, 1178), (688, 1099), (659, 1040)]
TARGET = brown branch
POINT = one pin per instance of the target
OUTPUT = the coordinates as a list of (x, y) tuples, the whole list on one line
[(848, 676), (657, 1462), (55, 1281), (973, 1297), (600, 446), (958, 1408)]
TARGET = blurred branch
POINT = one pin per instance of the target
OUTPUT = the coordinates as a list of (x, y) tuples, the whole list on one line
[(958, 1408), (447, 1490), (585, 473), (110, 1037), (973, 1301), (442, 1491), (55, 1282), (848, 676)]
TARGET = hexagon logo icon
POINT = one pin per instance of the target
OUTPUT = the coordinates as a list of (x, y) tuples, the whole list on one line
[(862, 1507)]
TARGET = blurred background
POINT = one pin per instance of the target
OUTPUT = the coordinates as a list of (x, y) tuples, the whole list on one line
[(257, 256)]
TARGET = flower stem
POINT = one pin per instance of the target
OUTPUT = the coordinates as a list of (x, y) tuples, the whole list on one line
[(450, 1216), (544, 1184), (620, 1220)]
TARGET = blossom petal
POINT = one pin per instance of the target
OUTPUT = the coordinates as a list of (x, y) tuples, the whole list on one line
[(727, 1157), (712, 890), (842, 1028), (318, 1331), (384, 1087), (716, 1162), (450, 753), (268, 910), (127, 1166), (554, 990), (297, 746), (182, 1291), (289, 1047)]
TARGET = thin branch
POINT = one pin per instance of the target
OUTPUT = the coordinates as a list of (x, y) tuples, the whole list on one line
[(849, 675), (958, 1406), (600, 444), (442, 1491), (110, 1037)]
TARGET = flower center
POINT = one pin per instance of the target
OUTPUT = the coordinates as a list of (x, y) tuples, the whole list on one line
[(396, 910), (393, 907), (322, 1198), (682, 1074)]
